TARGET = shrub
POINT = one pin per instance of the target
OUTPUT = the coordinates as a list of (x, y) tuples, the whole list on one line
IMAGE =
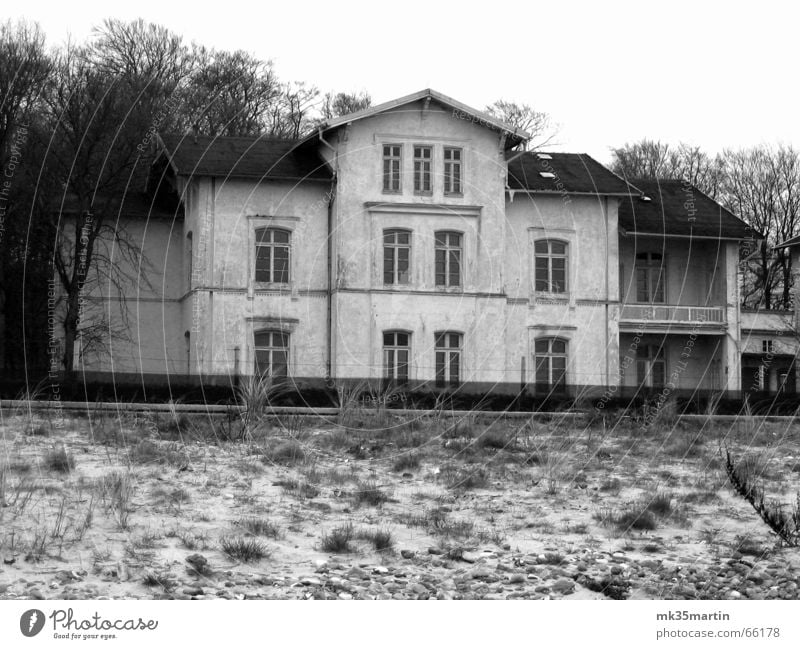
[(406, 462), (287, 453), (338, 540), (381, 540), (785, 524), (369, 493), (463, 478), (261, 527), (243, 549), (59, 460)]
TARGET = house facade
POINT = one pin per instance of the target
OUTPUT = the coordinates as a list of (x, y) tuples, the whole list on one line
[(414, 241)]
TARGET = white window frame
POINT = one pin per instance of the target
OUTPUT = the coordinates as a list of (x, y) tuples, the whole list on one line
[(447, 168), (549, 256), (271, 349), (390, 371), (441, 343), (272, 245), (395, 155), (395, 246), (423, 166), (447, 248)]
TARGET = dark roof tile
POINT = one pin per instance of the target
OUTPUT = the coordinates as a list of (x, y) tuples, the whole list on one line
[(678, 208), (572, 173), (244, 157)]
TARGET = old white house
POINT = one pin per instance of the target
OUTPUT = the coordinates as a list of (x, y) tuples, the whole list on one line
[(415, 241)]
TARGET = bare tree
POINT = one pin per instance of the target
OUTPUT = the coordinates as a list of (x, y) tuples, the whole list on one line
[(344, 103), (762, 185), (538, 124), (293, 116), (653, 160), (94, 133), (24, 70), (230, 93)]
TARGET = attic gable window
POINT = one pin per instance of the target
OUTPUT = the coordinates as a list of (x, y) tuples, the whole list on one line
[(392, 163), (422, 169), (452, 171)]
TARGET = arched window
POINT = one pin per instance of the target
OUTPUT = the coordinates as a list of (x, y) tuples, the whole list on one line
[(650, 272), (271, 353), (448, 258), (550, 273), (448, 358), (396, 355), (273, 246), (396, 256), (551, 361)]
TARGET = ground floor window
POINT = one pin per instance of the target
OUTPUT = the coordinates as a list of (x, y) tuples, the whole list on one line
[(651, 367), (448, 358), (396, 354), (272, 353), (551, 361)]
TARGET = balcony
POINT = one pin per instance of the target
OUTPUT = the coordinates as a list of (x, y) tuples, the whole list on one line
[(667, 318)]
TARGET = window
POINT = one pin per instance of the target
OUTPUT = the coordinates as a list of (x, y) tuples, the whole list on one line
[(396, 352), (272, 255), (422, 169), (551, 361), (396, 256), (651, 368), (392, 159), (272, 353), (767, 346), (452, 170), (551, 266), (650, 277), (448, 358), (448, 259)]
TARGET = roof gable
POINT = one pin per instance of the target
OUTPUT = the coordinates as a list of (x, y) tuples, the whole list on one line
[(514, 134)]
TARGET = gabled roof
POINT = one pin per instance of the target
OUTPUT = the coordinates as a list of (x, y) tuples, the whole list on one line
[(563, 173), (261, 158), (515, 135), (676, 207)]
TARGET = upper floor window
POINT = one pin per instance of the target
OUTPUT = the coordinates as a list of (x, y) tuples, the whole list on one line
[(551, 361), (396, 256), (650, 273), (448, 259), (452, 170), (272, 353), (272, 255), (551, 266), (422, 169), (396, 353), (448, 358), (392, 163), (767, 346), (651, 367)]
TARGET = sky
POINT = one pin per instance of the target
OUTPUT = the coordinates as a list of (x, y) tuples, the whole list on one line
[(611, 72)]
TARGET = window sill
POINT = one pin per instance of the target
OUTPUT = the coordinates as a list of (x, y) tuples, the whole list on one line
[(283, 287), (394, 192), (429, 193), (454, 195), (547, 295), (449, 289)]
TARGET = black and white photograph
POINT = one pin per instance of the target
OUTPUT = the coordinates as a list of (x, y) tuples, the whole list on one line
[(443, 302)]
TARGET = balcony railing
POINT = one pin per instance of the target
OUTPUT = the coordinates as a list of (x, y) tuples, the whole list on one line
[(668, 313)]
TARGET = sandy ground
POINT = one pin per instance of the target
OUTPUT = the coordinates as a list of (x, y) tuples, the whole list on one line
[(140, 506)]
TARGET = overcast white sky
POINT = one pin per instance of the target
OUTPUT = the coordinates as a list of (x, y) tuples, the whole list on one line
[(609, 72)]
